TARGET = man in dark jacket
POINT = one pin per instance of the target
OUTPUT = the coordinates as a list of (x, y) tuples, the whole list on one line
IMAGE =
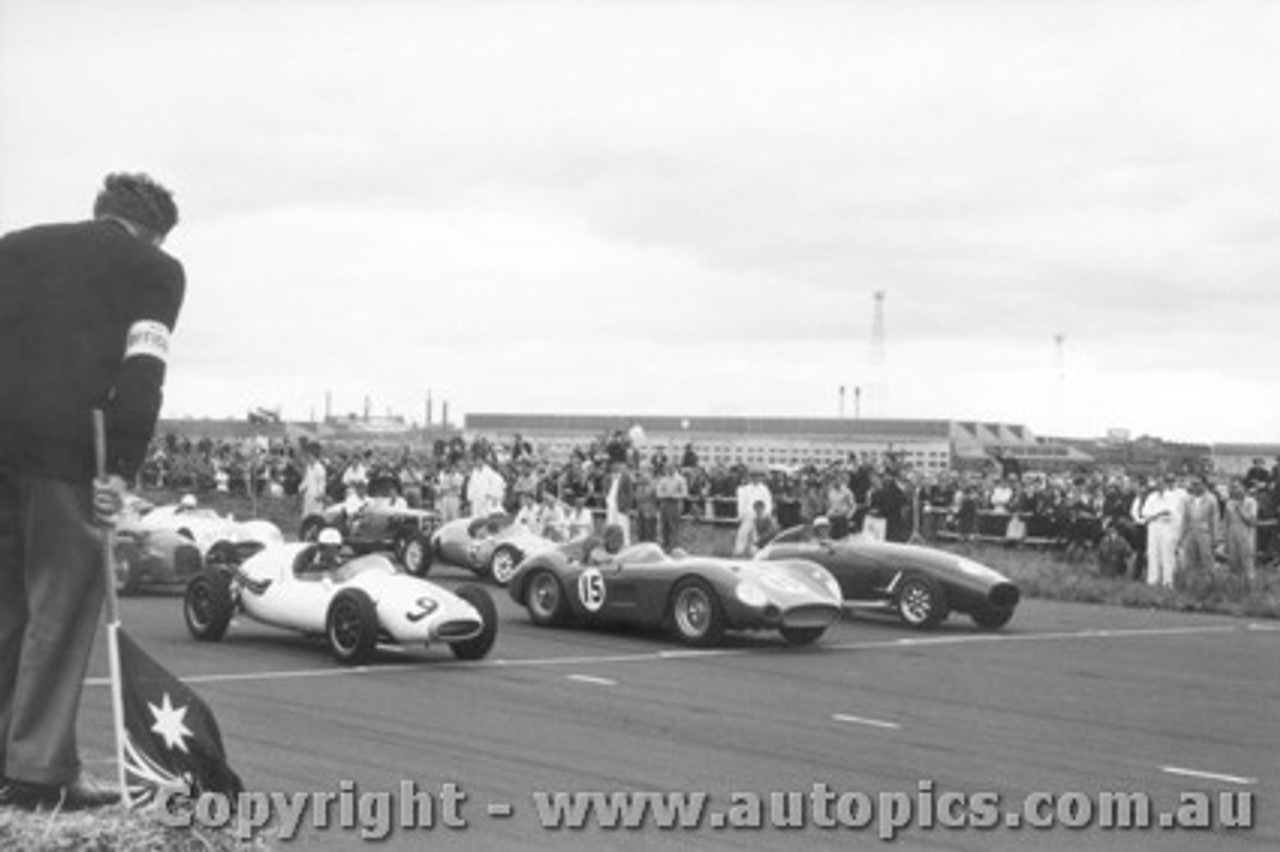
[(86, 310)]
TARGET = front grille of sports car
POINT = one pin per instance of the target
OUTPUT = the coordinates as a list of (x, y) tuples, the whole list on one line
[(459, 628), (809, 616), (1004, 595)]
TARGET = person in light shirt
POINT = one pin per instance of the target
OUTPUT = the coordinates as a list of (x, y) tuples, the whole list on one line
[(486, 490), (749, 492), (1162, 513)]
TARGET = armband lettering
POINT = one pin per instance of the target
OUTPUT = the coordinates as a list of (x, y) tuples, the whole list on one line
[(147, 337)]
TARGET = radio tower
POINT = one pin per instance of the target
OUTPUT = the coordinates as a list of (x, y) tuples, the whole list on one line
[(878, 390), (1058, 401)]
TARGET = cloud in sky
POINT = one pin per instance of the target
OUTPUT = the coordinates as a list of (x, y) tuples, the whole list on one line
[(686, 208)]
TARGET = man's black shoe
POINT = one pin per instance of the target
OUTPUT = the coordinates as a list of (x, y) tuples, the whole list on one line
[(82, 793)]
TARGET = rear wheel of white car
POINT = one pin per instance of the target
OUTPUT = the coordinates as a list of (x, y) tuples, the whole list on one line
[(696, 614), (921, 603), (352, 626), (415, 554), (544, 598), (477, 647), (801, 635), (127, 570), (208, 606), (503, 564)]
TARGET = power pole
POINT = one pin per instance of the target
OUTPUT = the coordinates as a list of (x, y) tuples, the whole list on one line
[(879, 390)]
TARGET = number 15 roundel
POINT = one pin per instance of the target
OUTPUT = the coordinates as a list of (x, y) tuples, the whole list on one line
[(591, 589)]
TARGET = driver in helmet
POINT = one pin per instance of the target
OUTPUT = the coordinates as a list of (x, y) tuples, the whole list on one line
[(326, 555)]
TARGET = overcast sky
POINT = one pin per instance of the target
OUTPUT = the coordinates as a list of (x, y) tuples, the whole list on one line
[(686, 208)]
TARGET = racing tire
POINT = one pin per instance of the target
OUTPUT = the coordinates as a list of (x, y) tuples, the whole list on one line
[(351, 626), (921, 603), (127, 572), (798, 636), (696, 615), (414, 553), (477, 647), (208, 606), (991, 617), (503, 564), (544, 599), (310, 529)]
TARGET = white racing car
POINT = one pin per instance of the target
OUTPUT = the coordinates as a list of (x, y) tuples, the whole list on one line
[(355, 604)]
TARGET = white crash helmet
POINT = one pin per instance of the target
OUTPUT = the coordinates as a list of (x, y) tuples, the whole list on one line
[(329, 536)]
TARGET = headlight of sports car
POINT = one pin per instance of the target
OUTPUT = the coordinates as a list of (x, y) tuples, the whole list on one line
[(751, 594)]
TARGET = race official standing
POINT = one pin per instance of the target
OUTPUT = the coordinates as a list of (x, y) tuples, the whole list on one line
[(86, 310), (1162, 513), (315, 480)]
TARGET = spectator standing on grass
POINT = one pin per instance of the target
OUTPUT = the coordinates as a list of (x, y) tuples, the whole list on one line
[(1200, 531), (765, 527), (449, 483), (841, 505), (749, 492), (579, 520), (486, 489), (86, 310), (1115, 554), (1161, 511), (646, 508), (1240, 530), (315, 481), (672, 490)]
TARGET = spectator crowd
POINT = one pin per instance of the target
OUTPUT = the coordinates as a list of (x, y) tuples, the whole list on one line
[(1143, 527)]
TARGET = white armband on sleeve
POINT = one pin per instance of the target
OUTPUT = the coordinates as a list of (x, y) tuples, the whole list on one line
[(147, 337)]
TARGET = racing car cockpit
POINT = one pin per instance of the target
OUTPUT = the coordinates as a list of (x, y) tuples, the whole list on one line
[(321, 558)]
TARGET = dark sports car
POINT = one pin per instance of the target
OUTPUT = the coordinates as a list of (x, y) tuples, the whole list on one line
[(380, 524), (698, 598), (921, 584)]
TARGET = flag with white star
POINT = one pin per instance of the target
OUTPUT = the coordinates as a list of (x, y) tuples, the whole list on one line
[(172, 738)]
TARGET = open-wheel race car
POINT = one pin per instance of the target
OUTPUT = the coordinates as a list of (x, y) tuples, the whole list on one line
[(379, 524), (697, 598), (163, 545), (356, 603), (921, 585), (492, 546)]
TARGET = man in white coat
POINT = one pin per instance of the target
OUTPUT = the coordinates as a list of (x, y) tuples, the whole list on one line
[(486, 490), (1162, 513), (749, 492)]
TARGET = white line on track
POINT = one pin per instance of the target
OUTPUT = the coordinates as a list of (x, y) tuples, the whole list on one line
[(862, 720), (681, 654), (598, 681), (1208, 776)]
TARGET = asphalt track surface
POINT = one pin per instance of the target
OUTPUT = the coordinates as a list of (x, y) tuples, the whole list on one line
[(1066, 699)]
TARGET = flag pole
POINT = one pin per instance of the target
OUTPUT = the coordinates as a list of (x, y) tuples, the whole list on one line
[(112, 614)]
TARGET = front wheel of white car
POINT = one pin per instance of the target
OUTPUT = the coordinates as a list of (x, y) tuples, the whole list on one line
[(351, 626), (208, 605), (477, 647)]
